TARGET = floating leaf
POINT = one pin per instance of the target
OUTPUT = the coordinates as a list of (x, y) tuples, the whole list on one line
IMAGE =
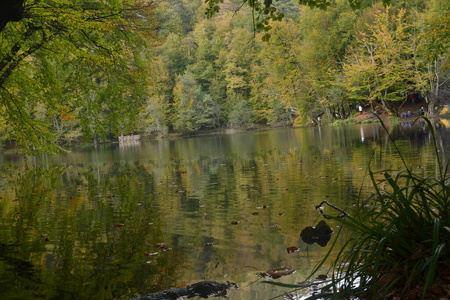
[(292, 249), (119, 225), (280, 214), (150, 253), (255, 214), (159, 245), (235, 222), (209, 244), (277, 272)]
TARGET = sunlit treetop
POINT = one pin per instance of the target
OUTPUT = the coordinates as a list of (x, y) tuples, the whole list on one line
[(265, 10)]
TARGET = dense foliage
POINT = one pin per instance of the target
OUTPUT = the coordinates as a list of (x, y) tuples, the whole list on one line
[(85, 72), (68, 70), (295, 67)]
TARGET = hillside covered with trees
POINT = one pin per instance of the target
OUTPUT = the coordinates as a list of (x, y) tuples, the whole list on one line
[(86, 73)]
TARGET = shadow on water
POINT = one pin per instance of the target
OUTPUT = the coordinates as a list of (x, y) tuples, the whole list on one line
[(320, 234)]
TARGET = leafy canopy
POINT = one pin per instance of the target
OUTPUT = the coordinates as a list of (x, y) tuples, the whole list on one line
[(266, 10), (71, 60)]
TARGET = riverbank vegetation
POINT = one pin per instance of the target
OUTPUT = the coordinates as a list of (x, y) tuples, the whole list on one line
[(86, 73), (398, 248)]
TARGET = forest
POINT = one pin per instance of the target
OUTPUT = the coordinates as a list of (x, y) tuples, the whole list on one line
[(83, 72)]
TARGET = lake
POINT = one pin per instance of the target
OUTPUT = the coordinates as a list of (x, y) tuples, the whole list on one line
[(89, 224)]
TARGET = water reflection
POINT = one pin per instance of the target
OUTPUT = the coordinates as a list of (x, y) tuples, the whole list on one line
[(60, 211)]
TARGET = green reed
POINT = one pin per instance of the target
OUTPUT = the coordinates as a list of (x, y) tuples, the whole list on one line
[(400, 237)]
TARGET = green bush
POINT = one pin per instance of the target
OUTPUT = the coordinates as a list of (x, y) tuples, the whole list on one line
[(242, 116)]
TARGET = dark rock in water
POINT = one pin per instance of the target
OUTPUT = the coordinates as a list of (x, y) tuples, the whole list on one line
[(320, 234), (203, 289)]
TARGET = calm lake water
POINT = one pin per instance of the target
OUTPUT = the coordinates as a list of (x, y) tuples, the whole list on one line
[(85, 225)]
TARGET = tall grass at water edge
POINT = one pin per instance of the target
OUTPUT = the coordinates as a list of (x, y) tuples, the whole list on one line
[(401, 234), (399, 246)]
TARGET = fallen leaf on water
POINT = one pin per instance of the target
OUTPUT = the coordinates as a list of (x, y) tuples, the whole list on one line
[(165, 248), (209, 244), (277, 272), (234, 222), (119, 225), (150, 253), (322, 277), (255, 213), (280, 214), (292, 249)]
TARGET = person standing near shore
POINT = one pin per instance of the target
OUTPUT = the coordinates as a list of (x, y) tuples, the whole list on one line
[(421, 111)]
